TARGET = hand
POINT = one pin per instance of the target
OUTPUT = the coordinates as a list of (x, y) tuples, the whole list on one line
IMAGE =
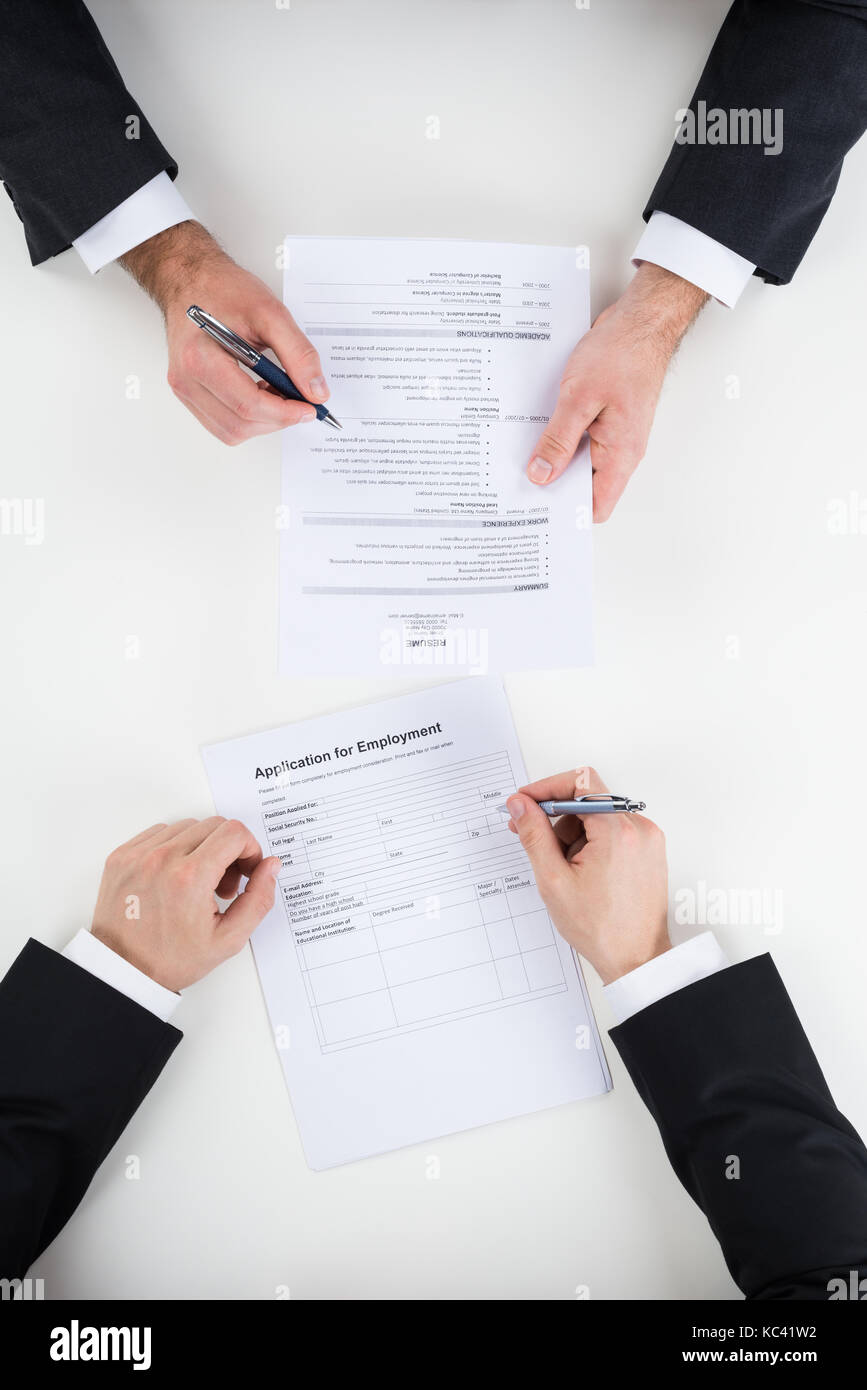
[(603, 879), (184, 266), (156, 904), (612, 382)]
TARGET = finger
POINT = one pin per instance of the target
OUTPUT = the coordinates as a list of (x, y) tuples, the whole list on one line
[(218, 419), (566, 786), (204, 420), (568, 829), (296, 354), (571, 786), (573, 850), (229, 883), (536, 834), (248, 909), (196, 833), (144, 835), (168, 833), (610, 476), (226, 380), (229, 843), (556, 448)]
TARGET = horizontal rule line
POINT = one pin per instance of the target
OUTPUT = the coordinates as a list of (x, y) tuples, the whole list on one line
[(354, 589)]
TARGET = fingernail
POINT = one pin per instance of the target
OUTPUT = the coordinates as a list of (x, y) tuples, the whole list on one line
[(318, 388), (307, 416), (540, 470), (274, 867), (516, 807)]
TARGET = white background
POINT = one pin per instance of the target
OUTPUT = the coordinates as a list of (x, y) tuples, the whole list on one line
[(554, 125)]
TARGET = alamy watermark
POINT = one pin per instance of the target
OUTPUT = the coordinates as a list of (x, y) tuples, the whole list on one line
[(704, 906), (738, 126), (24, 517)]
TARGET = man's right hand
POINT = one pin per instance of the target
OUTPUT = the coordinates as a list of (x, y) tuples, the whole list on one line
[(603, 879), (157, 906), (184, 265)]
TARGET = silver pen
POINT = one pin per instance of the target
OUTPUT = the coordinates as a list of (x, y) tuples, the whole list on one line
[(594, 803)]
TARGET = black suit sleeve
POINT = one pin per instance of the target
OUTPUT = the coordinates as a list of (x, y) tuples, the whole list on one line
[(726, 1070), (66, 158), (77, 1058), (808, 60)]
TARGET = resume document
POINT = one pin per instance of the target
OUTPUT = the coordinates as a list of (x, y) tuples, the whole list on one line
[(412, 537)]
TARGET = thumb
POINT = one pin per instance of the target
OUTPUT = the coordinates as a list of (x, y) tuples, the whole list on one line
[(556, 448), (246, 912), (296, 354), (543, 849)]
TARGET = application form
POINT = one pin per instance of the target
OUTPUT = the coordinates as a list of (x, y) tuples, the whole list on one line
[(414, 981), (412, 537)]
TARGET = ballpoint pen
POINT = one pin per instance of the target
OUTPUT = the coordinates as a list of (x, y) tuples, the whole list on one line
[(595, 803), (244, 352)]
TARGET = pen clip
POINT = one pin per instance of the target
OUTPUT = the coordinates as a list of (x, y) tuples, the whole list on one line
[(232, 342), (622, 802)]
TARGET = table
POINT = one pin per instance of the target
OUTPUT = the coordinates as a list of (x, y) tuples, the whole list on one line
[(731, 595)]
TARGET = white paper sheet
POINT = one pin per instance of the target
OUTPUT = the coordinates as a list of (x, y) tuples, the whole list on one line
[(412, 538), (414, 981)]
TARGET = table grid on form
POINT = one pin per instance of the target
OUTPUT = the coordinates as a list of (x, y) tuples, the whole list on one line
[(410, 902)]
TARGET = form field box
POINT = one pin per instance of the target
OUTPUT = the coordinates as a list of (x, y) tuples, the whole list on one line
[(438, 922), (446, 994), (534, 929), (502, 938), (525, 899), (347, 977), (437, 957), (355, 1018), (543, 968), (330, 949), (512, 977)]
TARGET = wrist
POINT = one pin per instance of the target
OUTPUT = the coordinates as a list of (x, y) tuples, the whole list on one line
[(165, 264), (124, 946), (662, 304), (614, 965)]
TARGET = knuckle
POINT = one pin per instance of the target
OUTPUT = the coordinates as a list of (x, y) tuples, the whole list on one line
[(154, 862), (556, 445), (308, 356), (175, 379), (189, 360), (573, 396), (235, 432)]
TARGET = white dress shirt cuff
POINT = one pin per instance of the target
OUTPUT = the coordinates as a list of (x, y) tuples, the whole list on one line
[(694, 256), (151, 209), (98, 959), (681, 966)]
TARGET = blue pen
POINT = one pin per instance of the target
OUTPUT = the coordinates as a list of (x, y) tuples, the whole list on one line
[(244, 352), (595, 803)]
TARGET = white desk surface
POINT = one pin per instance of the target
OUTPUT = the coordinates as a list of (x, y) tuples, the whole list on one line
[(554, 124)]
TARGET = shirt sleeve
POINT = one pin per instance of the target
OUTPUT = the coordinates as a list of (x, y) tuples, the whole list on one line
[(675, 969), (153, 208), (694, 256), (98, 959)]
